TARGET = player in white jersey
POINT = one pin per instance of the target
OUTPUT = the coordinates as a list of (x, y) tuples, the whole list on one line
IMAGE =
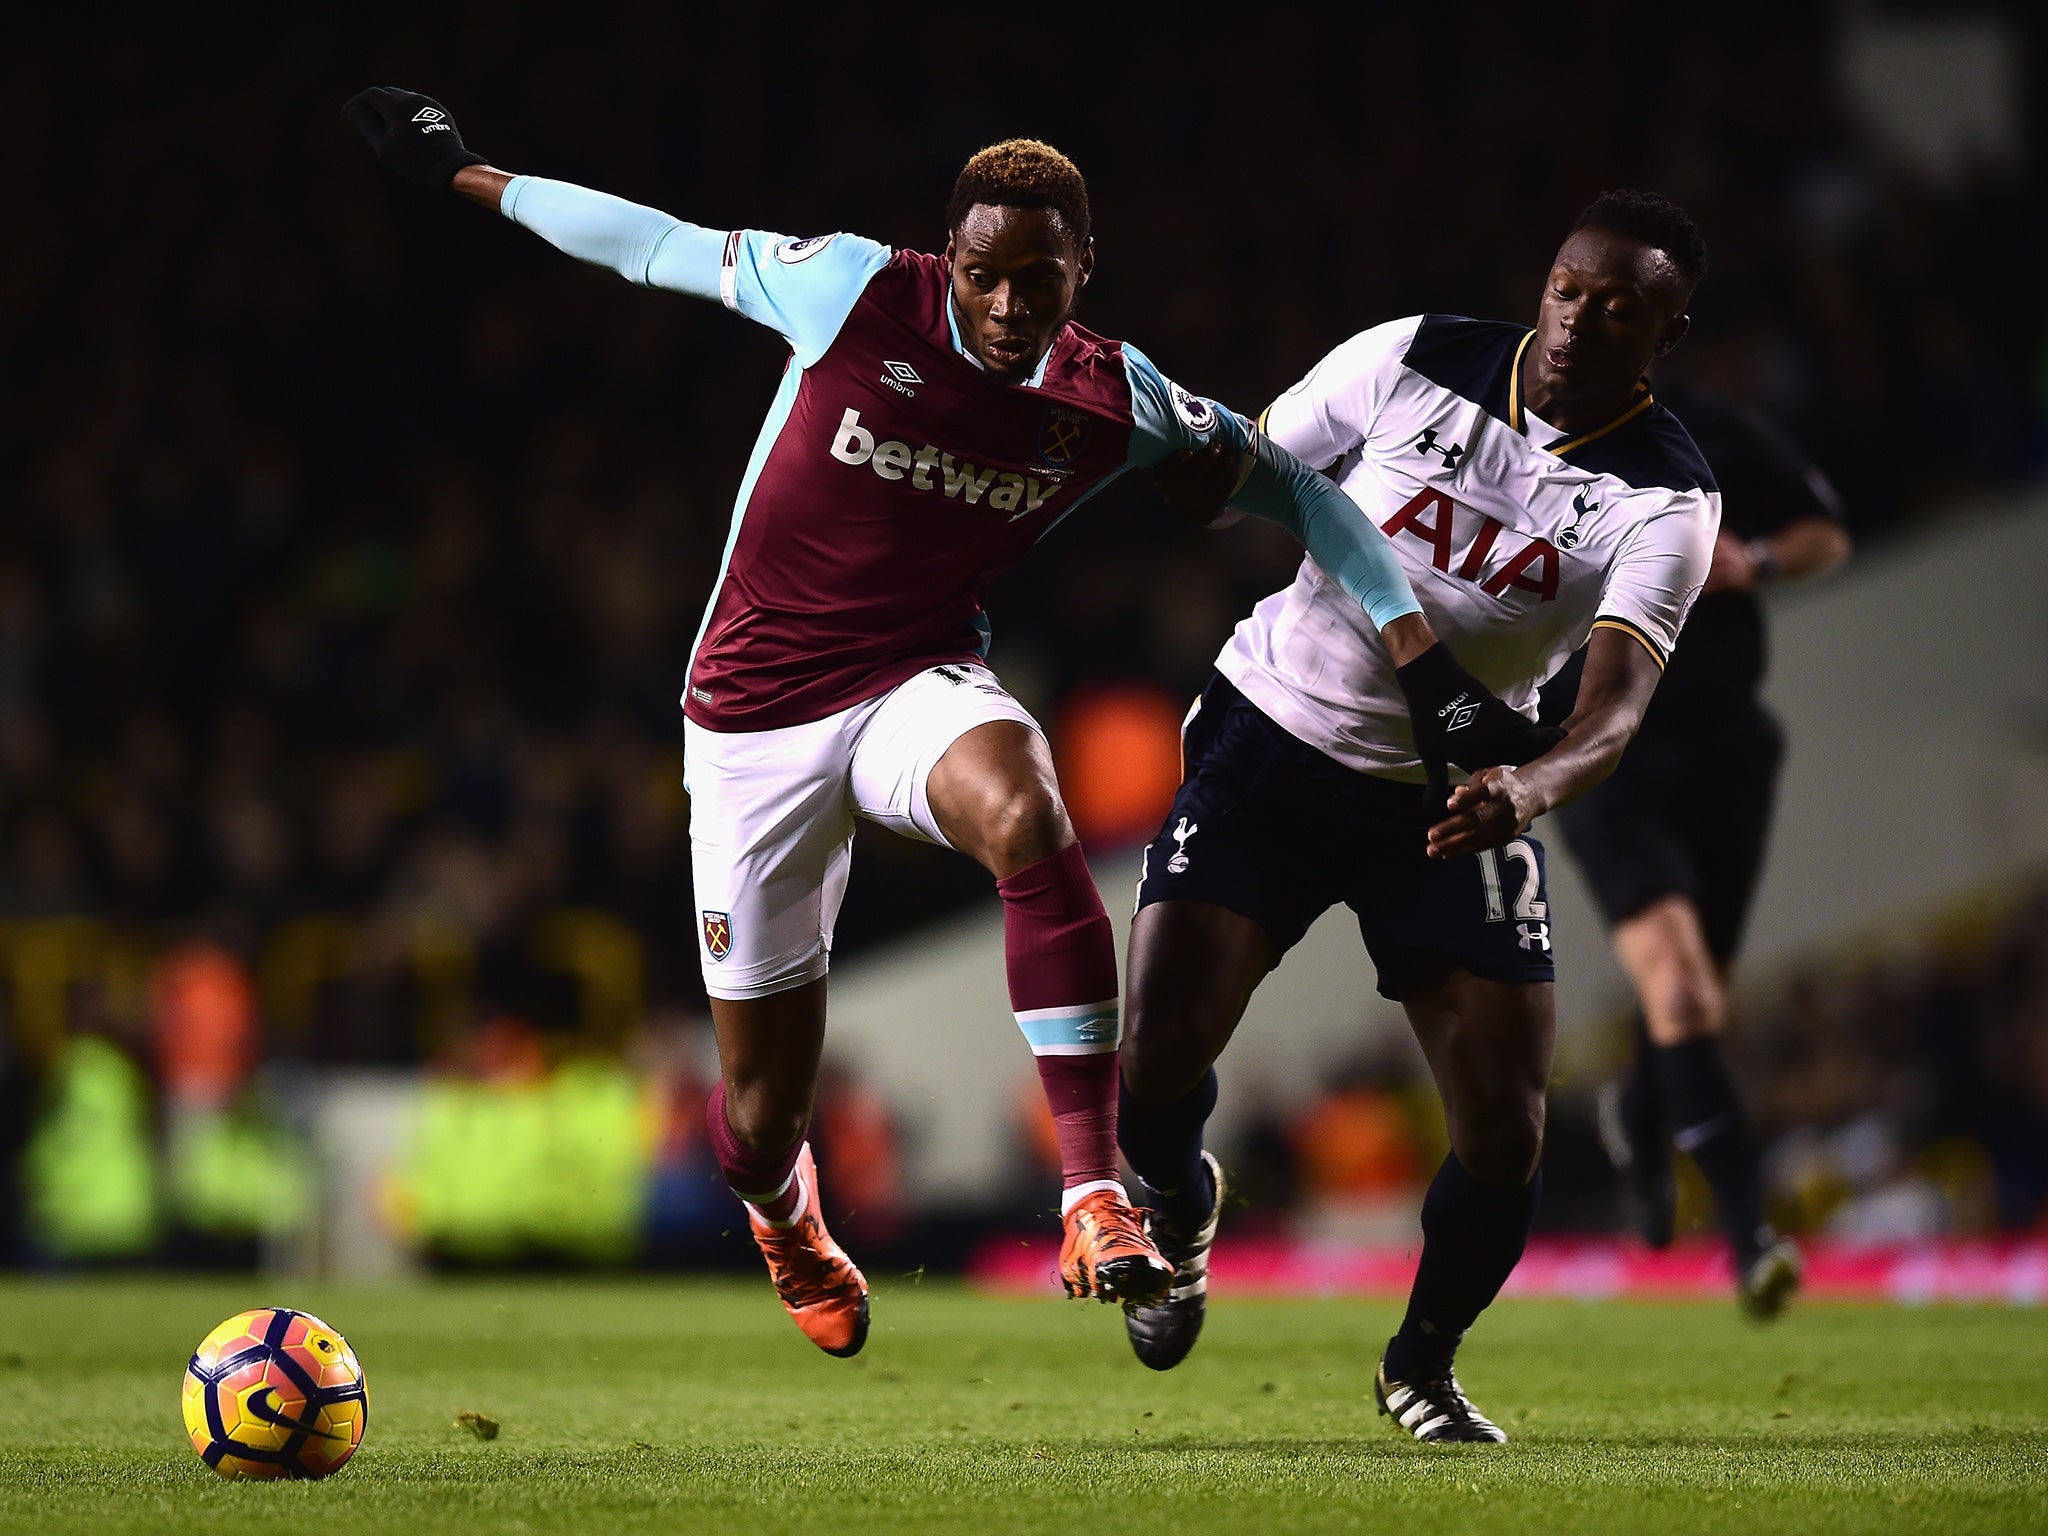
[(1537, 495)]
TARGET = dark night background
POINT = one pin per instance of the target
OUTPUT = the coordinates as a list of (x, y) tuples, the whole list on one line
[(353, 539)]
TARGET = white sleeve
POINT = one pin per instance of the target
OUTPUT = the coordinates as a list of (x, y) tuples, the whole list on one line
[(1331, 411), (1659, 571)]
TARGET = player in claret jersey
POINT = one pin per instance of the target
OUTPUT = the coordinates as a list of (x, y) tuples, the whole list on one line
[(1537, 495), (938, 414)]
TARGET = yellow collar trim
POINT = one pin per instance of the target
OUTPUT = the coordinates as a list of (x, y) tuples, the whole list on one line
[(1518, 417)]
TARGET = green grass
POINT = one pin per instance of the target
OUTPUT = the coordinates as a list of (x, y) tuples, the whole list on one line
[(695, 1407)]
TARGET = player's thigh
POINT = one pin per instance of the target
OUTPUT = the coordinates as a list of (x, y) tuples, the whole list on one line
[(1490, 1045), (771, 839), (1421, 918), (1240, 868), (1732, 829), (1628, 841), (914, 728)]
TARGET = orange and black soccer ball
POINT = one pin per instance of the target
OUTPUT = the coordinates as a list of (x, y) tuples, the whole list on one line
[(275, 1393)]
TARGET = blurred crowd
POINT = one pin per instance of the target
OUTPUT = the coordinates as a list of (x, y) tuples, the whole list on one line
[(355, 541), (1900, 1092)]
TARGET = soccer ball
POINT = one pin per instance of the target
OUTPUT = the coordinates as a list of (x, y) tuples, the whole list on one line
[(275, 1393)]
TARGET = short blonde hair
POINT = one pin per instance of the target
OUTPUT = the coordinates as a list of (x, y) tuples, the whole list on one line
[(1022, 173)]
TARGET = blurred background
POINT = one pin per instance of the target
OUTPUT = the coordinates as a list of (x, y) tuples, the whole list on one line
[(353, 542)]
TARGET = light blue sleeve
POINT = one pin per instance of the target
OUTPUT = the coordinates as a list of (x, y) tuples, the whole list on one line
[(1277, 487), (1166, 418), (803, 289)]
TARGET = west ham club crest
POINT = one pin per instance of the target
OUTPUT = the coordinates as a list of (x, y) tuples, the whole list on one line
[(1062, 435), (717, 935)]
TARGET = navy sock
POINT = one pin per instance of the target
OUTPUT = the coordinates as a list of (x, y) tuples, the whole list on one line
[(1163, 1143), (1707, 1124), (1642, 1107), (1472, 1239)]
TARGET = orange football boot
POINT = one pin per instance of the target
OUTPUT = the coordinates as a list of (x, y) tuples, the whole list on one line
[(818, 1284), (1107, 1255)]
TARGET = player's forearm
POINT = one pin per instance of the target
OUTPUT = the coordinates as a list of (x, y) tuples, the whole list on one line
[(1342, 540), (483, 185), (1620, 676), (1594, 741), (643, 245), (1810, 547)]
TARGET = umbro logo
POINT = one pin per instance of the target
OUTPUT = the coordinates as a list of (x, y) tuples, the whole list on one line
[(1458, 713), (428, 115), (900, 376)]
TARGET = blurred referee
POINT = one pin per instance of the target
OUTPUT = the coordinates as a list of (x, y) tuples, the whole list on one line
[(1672, 844)]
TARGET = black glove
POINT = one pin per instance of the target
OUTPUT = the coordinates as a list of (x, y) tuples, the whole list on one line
[(1458, 720), (412, 134)]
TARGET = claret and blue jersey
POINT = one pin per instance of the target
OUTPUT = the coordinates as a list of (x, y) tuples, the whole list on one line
[(893, 478)]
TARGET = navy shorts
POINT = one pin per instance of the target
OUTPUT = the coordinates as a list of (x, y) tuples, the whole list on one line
[(1687, 812), (1273, 829)]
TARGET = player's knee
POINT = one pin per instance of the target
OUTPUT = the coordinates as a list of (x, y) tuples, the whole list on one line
[(1022, 824), (1683, 1003), (1156, 1066), (763, 1122), (1502, 1146)]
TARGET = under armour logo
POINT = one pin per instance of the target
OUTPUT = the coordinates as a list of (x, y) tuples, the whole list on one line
[(1181, 833), (1534, 936), (1568, 537), (1427, 443)]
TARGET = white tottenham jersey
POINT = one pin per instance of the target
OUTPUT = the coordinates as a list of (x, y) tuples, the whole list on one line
[(1518, 539)]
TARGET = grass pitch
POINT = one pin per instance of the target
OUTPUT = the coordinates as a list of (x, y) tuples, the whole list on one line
[(695, 1407)]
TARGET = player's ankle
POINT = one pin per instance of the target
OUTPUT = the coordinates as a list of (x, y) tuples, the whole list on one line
[(1189, 1205), (1413, 1355), (1074, 1194)]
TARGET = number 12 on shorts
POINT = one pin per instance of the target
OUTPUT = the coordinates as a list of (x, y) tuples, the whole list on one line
[(1529, 907)]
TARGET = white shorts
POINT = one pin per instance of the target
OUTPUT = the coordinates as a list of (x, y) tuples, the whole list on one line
[(771, 818)]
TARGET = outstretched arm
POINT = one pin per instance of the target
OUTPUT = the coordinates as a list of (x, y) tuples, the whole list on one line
[(1811, 546), (803, 289)]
